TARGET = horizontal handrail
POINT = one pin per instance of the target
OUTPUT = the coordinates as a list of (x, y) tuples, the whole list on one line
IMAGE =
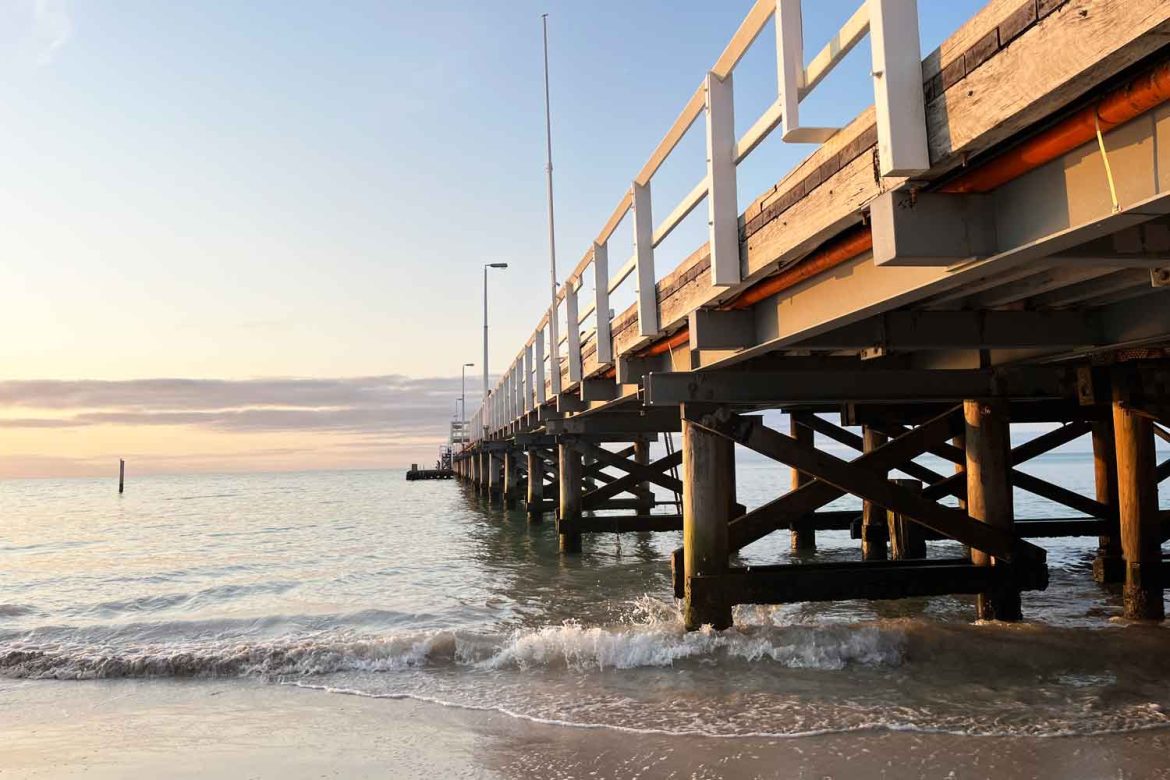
[(901, 137), (681, 211)]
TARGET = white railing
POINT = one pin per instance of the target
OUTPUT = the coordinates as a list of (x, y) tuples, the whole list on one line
[(892, 26)]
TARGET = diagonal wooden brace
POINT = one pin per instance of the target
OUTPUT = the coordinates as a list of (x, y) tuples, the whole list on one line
[(795, 504), (850, 439), (870, 485), (638, 474)]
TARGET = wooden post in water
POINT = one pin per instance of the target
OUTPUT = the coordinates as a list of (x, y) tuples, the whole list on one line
[(535, 495), (874, 519), (511, 490), (494, 487), (708, 465), (484, 463), (1109, 565), (907, 538), (804, 539), (121, 476), (1137, 501), (989, 491), (642, 457), (569, 504)]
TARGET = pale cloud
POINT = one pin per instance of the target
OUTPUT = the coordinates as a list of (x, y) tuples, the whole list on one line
[(374, 405), (80, 427)]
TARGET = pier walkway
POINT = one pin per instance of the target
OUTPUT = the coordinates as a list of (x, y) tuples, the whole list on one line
[(988, 244)]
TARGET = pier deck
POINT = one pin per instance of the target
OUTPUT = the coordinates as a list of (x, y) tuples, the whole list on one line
[(988, 244)]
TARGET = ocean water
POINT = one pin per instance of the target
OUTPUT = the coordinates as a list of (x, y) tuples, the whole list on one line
[(361, 583)]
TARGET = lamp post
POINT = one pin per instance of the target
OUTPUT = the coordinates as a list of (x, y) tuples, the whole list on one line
[(486, 266), (463, 391)]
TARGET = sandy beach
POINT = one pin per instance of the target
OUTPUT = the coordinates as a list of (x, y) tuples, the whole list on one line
[(181, 729)]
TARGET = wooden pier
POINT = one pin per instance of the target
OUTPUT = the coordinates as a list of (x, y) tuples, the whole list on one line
[(988, 245)]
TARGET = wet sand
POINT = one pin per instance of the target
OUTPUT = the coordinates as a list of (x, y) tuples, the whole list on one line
[(235, 729)]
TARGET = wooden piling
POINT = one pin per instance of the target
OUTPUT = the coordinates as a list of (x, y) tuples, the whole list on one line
[(1109, 565), (642, 457), (569, 502), (907, 538), (495, 483), (708, 463), (874, 519), (535, 495), (511, 491), (1137, 501), (804, 536), (989, 492), (121, 476)]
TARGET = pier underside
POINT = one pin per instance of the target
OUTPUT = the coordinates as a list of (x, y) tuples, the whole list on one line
[(1022, 279)]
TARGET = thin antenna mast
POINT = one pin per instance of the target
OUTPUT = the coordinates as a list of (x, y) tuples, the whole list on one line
[(554, 339)]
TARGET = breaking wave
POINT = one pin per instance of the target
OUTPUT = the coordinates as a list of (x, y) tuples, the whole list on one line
[(658, 641)]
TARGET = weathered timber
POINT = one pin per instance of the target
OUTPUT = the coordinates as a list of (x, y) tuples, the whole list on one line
[(569, 506), (784, 388), (642, 458), (636, 475), (989, 495), (803, 538), (872, 580), (708, 464), (1137, 495), (850, 439), (1109, 564), (875, 532), (861, 481), (535, 495), (907, 538), (782, 511), (511, 488)]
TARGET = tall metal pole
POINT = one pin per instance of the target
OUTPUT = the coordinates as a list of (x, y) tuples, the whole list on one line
[(554, 340), (485, 344)]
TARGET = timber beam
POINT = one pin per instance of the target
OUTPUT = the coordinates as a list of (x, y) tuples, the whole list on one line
[(873, 580), (1061, 410), (658, 420), (936, 330), (782, 388)]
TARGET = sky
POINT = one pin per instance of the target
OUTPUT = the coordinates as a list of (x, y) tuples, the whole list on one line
[(249, 236)]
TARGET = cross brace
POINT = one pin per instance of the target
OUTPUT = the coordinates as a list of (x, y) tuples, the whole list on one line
[(859, 479)]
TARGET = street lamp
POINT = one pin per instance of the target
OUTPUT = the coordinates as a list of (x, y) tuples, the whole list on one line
[(486, 266), (463, 391)]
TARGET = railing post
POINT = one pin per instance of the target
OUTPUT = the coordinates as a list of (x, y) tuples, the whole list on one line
[(722, 206), (897, 80), (789, 63), (601, 302), (538, 358), (513, 393), (554, 351), (644, 261), (573, 334), (528, 378)]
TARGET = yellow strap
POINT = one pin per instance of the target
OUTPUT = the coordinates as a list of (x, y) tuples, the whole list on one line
[(1105, 159)]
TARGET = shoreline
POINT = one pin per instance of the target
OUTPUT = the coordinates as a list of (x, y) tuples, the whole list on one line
[(236, 728)]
